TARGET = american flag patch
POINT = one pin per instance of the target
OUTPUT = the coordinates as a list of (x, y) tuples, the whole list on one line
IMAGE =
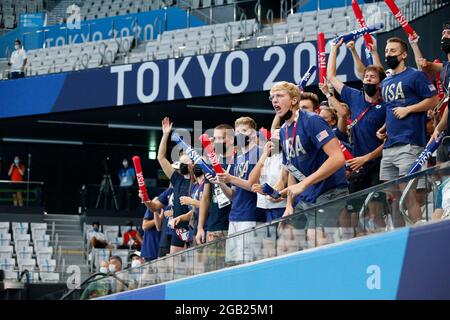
[(431, 87), (322, 135)]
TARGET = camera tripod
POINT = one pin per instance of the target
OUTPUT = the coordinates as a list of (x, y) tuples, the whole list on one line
[(106, 187)]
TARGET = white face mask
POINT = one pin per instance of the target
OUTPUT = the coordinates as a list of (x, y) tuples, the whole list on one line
[(135, 263), (112, 268), (103, 269), (17, 47)]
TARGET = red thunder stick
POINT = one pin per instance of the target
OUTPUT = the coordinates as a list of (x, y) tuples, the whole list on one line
[(362, 23), (321, 57), (439, 88), (263, 132), (140, 178), (400, 18), (204, 138), (347, 154)]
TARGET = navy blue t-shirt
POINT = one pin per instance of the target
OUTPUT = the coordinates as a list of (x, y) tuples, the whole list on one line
[(218, 217), (445, 79), (165, 229), (307, 155), (364, 133), (243, 207), (150, 245), (181, 187), (401, 90)]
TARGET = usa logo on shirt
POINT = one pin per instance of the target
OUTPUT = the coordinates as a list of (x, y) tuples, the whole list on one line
[(322, 135), (431, 87)]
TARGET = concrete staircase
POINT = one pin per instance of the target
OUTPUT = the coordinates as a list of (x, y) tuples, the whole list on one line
[(68, 237)]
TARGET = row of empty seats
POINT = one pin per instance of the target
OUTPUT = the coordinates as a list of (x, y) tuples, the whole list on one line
[(27, 247), (197, 40), (76, 56), (10, 11), (97, 9), (304, 26)]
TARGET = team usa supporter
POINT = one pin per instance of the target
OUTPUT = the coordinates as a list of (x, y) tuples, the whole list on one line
[(214, 205), (270, 166), (151, 224), (162, 207), (182, 182), (193, 201), (408, 94), (244, 213), (444, 76), (313, 156), (368, 114)]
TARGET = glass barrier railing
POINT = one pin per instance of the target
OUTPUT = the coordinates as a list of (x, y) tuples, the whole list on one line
[(21, 193), (402, 202)]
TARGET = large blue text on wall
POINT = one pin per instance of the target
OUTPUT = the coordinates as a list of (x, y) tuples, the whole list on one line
[(165, 80)]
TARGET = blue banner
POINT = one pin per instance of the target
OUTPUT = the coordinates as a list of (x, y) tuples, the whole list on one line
[(144, 25), (231, 72)]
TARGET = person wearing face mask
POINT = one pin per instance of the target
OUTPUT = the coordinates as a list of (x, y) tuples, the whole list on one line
[(271, 167), (127, 176), (214, 204), (244, 213), (16, 173), (408, 95), (100, 286), (443, 70), (194, 203), (131, 238), (368, 115), (18, 61), (182, 182), (313, 157), (96, 238)]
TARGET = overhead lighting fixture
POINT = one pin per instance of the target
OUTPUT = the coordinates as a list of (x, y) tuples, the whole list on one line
[(45, 141), (193, 106), (93, 124), (252, 110), (138, 127), (107, 125)]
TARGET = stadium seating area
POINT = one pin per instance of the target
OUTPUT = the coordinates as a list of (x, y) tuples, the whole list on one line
[(10, 11), (241, 34), (27, 247), (114, 236), (96, 9), (77, 56)]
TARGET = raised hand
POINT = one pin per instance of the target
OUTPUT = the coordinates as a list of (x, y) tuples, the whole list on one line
[(166, 125)]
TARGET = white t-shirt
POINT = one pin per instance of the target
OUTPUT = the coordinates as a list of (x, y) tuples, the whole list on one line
[(98, 235), (271, 173), (17, 59)]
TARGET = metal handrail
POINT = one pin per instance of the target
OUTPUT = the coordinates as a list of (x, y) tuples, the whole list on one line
[(402, 202)]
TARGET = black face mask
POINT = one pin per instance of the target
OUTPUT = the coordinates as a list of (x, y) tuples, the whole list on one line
[(287, 115), (445, 45), (370, 89), (392, 62), (220, 148), (184, 169), (241, 140), (197, 171)]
